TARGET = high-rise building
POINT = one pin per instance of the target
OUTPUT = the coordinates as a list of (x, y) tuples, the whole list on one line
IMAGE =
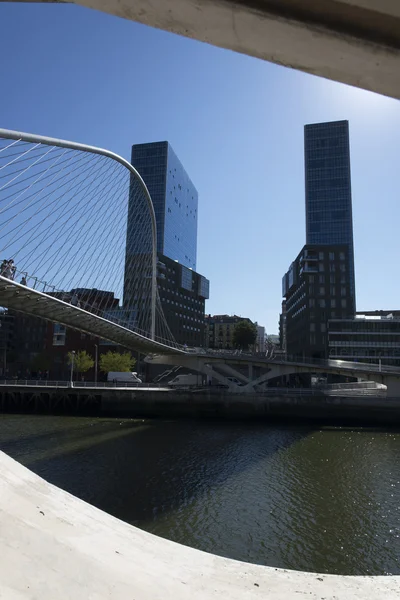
[(316, 289), (182, 291), (174, 198), (319, 284), (329, 218)]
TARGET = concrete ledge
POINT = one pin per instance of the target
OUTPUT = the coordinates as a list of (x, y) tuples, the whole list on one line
[(54, 546)]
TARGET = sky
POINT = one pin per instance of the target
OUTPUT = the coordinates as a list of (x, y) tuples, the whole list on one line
[(235, 122)]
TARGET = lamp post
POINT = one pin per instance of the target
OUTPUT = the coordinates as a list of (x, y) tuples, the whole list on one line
[(96, 349), (72, 368)]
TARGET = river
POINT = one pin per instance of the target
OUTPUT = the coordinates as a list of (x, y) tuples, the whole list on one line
[(314, 499)]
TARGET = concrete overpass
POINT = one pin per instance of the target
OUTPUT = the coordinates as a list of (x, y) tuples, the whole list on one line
[(351, 41), (221, 365)]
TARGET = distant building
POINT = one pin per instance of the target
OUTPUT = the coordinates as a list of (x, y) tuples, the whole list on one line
[(282, 327), (6, 339), (260, 341), (40, 347), (329, 219), (317, 288), (371, 337), (219, 330), (183, 293)]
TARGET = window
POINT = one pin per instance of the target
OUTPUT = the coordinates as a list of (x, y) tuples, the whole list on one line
[(321, 256), (342, 256), (321, 266), (344, 303), (333, 290), (342, 291), (333, 303), (312, 339), (311, 303), (343, 279), (331, 256), (322, 290), (343, 267), (311, 290), (332, 278), (332, 267), (321, 303), (312, 326), (311, 279), (333, 314), (323, 327), (322, 278)]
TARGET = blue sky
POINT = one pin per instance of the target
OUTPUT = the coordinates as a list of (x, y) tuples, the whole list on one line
[(236, 124)]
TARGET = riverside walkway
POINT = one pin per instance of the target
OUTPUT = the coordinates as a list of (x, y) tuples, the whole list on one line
[(55, 546)]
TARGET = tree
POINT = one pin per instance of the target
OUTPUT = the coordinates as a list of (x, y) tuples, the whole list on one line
[(244, 335), (114, 361), (82, 361)]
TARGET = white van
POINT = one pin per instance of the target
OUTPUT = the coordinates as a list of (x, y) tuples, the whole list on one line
[(123, 377), (186, 380)]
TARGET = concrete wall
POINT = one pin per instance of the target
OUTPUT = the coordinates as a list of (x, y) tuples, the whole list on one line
[(56, 547)]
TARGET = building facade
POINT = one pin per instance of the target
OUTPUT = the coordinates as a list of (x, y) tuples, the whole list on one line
[(316, 288), (175, 201), (329, 219), (183, 293), (219, 330), (372, 337), (182, 290)]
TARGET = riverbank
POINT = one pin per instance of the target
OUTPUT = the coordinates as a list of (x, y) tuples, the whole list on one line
[(54, 545), (289, 405)]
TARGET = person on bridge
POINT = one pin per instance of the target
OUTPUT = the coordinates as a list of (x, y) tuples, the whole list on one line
[(8, 269), (23, 281)]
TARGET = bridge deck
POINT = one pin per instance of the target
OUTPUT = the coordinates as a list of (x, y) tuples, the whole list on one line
[(32, 302)]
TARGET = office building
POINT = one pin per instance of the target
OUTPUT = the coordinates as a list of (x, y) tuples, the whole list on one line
[(175, 201), (182, 290), (372, 337), (328, 198), (316, 288), (319, 284), (182, 293)]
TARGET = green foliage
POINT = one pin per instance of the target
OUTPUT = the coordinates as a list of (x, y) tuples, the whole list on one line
[(82, 361), (114, 361), (244, 335)]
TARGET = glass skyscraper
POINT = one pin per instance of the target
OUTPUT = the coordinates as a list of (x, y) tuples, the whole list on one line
[(175, 201), (329, 217)]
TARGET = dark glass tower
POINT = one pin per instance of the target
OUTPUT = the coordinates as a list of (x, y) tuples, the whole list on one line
[(174, 198), (329, 217)]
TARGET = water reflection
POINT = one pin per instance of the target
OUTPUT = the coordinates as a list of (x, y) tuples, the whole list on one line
[(321, 500)]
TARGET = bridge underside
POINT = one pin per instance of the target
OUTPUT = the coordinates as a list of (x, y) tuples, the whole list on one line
[(351, 41), (26, 300), (255, 373)]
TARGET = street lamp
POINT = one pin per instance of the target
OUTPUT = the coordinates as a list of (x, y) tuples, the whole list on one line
[(72, 368), (96, 348)]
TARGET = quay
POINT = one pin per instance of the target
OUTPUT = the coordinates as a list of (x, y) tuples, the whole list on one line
[(284, 404)]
